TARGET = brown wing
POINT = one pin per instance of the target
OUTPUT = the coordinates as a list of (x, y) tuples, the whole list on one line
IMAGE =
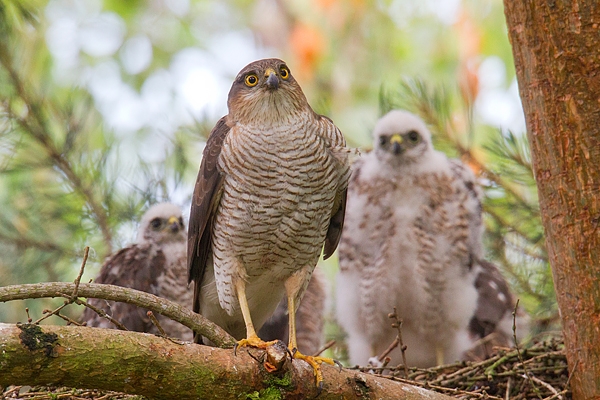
[(336, 224), (494, 302), (137, 267), (207, 195)]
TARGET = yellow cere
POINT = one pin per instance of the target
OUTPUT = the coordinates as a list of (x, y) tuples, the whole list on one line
[(396, 138)]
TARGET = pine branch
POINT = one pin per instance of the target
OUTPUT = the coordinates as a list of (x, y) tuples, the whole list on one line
[(30, 242), (505, 223), (34, 123)]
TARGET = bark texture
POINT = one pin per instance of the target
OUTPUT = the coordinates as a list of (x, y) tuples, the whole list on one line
[(556, 49), (151, 366)]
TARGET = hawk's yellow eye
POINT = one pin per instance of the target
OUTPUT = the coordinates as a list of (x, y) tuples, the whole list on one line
[(251, 80), (284, 73)]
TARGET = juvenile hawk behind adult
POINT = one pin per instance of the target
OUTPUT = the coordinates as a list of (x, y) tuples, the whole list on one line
[(309, 317), (270, 193), (155, 264), (411, 240)]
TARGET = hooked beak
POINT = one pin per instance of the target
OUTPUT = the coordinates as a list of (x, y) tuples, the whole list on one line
[(272, 79), (173, 224), (396, 141)]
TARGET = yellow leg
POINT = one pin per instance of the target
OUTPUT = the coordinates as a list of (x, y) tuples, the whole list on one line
[(439, 355), (292, 289), (252, 338)]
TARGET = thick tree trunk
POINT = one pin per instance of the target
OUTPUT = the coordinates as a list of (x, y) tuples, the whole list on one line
[(148, 365), (556, 49)]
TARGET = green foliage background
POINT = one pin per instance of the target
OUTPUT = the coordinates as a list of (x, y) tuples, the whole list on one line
[(68, 179)]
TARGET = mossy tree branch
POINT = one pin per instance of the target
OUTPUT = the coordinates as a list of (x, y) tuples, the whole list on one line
[(151, 366)]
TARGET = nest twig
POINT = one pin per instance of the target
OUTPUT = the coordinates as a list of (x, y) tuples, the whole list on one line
[(539, 371)]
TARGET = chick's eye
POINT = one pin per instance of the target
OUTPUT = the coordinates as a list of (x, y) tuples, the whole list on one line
[(180, 221), (284, 73), (155, 223), (251, 80), (413, 136), (382, 140)]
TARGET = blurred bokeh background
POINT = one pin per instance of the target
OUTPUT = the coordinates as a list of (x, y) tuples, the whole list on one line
[(105, 107)]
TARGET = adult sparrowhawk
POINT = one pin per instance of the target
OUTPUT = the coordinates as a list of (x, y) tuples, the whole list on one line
[(270, 194)]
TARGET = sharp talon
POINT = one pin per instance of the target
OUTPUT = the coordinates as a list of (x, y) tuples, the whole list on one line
[(315, 362), (290, 353), (235, 349), (262, 357), (319, 388), (339, 364)]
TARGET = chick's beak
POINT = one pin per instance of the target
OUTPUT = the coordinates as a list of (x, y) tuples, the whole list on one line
[(272, 79), (396, 141), (173, 224)]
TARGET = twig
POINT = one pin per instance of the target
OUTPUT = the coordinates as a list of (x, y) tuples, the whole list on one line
[(101, 313), (70, 321), (325, 347), (86, 252), (557, 395), (29, 319), (70, 299), (398, 325), (460, 374), (504, 372), (514, 329), (571, 373), (154, 321), (389, 349), (49, 313), (541, 382), (397, 342), (454, 391)]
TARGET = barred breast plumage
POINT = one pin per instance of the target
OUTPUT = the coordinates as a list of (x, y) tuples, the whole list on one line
[(277, 199), (270, 194)]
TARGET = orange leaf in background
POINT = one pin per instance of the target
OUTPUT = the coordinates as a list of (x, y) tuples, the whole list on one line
[(469, 36), (338, 12), (472, 164), (308, 44), (325, 4), (469, 42), (468, 79)]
